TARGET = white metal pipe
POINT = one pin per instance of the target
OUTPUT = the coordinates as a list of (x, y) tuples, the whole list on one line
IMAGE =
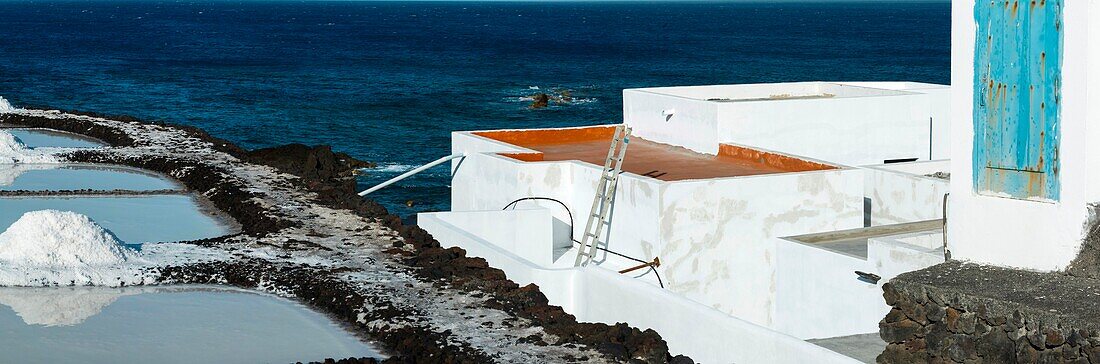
[(411, 172)]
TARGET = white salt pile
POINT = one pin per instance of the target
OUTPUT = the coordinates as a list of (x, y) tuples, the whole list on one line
[(5, 106), (13, 151), (60, 239)]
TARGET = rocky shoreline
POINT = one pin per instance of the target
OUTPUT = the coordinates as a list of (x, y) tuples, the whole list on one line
[(305, 234)]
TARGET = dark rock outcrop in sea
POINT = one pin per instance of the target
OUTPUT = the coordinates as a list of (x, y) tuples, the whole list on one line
[(348, 257), (559, 96), (540, 100)]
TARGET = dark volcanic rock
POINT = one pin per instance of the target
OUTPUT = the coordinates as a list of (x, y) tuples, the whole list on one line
[(540, 100), (991, 314), (314, 163), (358, 361)]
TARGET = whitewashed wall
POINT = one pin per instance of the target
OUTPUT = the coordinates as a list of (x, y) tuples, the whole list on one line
[(717, 234), (864, 123), (894, 255), (485, 181), (939, 111), (693, 126), (1018, 233), (898, 197), (849, 131), (819, 295)]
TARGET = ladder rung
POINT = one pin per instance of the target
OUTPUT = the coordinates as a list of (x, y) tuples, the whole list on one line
[(601, 204)]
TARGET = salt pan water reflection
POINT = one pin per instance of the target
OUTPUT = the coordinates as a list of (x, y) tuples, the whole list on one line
[(164, 324), (133, 220), (43, 177), (36, 138)]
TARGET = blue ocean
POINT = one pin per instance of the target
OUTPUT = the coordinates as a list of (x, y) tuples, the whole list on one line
[(388, 81)]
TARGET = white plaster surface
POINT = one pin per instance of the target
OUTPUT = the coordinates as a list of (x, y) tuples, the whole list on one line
[(859, 124), (820, 296), (900, 193), (717, 235), (1035, 235), (528, 233)]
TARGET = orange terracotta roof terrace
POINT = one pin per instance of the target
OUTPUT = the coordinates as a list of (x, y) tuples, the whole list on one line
[(648, 158)]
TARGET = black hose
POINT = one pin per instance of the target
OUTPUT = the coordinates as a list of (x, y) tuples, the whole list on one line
[(567, 211), (513, 203)]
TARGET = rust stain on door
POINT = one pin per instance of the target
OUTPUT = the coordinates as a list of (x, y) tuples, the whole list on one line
[(1017, 101)]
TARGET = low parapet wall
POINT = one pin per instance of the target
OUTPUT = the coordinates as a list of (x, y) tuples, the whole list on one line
[(958, 312)]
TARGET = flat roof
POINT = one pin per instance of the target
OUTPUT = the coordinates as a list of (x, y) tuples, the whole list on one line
[(854, 241), (648, 158)]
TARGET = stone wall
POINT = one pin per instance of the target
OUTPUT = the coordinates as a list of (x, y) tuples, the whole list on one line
[(966, 313)]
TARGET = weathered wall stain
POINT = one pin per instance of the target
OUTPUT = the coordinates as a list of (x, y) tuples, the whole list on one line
[(553, 176)]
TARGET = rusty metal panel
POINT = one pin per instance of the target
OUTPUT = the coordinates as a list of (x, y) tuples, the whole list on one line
[(1017, 103)]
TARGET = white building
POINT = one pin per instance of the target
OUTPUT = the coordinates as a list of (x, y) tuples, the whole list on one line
[(760, 201)]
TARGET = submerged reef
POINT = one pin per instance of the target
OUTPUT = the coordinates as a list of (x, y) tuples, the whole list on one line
[(307, 235)]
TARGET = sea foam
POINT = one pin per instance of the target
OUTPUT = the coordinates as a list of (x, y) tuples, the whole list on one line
[(60, 239), (391, 168)]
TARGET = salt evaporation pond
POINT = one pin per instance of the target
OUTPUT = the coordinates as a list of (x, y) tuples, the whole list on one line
[(165, 325), (35, 138), (145, 324), (134, 220), (54, 177)]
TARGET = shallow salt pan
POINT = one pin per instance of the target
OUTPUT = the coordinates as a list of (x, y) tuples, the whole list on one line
[(165, 325), (134, 220), (42, 138), (45, 177)]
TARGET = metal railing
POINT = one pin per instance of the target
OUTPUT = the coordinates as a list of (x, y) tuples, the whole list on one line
[(411, 172)]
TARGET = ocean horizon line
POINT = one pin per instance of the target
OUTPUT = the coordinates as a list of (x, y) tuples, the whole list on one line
[(701, 2)]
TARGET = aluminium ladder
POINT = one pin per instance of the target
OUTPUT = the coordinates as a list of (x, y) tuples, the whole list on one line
[(605, 193)]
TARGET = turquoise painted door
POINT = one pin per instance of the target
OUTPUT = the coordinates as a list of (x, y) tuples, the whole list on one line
[(1017, 101)]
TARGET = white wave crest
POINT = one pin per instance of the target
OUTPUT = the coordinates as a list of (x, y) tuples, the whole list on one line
[(392, 168)]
